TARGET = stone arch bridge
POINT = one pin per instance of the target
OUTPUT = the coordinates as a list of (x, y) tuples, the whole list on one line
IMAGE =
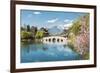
[(54, 39)]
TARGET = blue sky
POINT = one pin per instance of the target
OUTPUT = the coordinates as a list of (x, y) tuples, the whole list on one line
[(47, 19)]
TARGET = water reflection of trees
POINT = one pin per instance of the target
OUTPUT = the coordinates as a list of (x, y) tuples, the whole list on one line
[(29, 47)]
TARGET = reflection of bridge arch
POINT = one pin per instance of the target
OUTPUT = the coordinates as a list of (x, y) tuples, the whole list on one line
[(54, 39)]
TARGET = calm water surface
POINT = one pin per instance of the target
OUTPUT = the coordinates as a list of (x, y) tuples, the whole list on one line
[(39, 52)]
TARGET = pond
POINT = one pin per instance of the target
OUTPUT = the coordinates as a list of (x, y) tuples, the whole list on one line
[(39, 52)]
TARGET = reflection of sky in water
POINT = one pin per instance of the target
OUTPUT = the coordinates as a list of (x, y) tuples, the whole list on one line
[(47, 52)]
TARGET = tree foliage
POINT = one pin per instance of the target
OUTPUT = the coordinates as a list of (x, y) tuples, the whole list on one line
[(76, 27), (39, 34), (28, 27), (79, 34), (26, 35)]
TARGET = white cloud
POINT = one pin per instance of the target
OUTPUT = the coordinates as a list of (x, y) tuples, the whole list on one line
[(36, 12), (68, 21), (52, 20), (66, 26)]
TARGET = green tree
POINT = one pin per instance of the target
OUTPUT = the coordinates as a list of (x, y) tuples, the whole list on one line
[(28, 27), (76, 27), (46, 33), (79, 35), (39, 34), (26, 35), (33, 30)]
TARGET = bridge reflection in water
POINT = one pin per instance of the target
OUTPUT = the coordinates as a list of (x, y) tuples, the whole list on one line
[(54, 39)]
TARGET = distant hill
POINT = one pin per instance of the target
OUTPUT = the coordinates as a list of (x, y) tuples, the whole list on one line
[(55, 30)]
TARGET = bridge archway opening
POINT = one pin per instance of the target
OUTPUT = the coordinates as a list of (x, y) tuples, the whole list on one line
[(49, 40), (61, 40), (57, 40), (54, 40), (46, 40)]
